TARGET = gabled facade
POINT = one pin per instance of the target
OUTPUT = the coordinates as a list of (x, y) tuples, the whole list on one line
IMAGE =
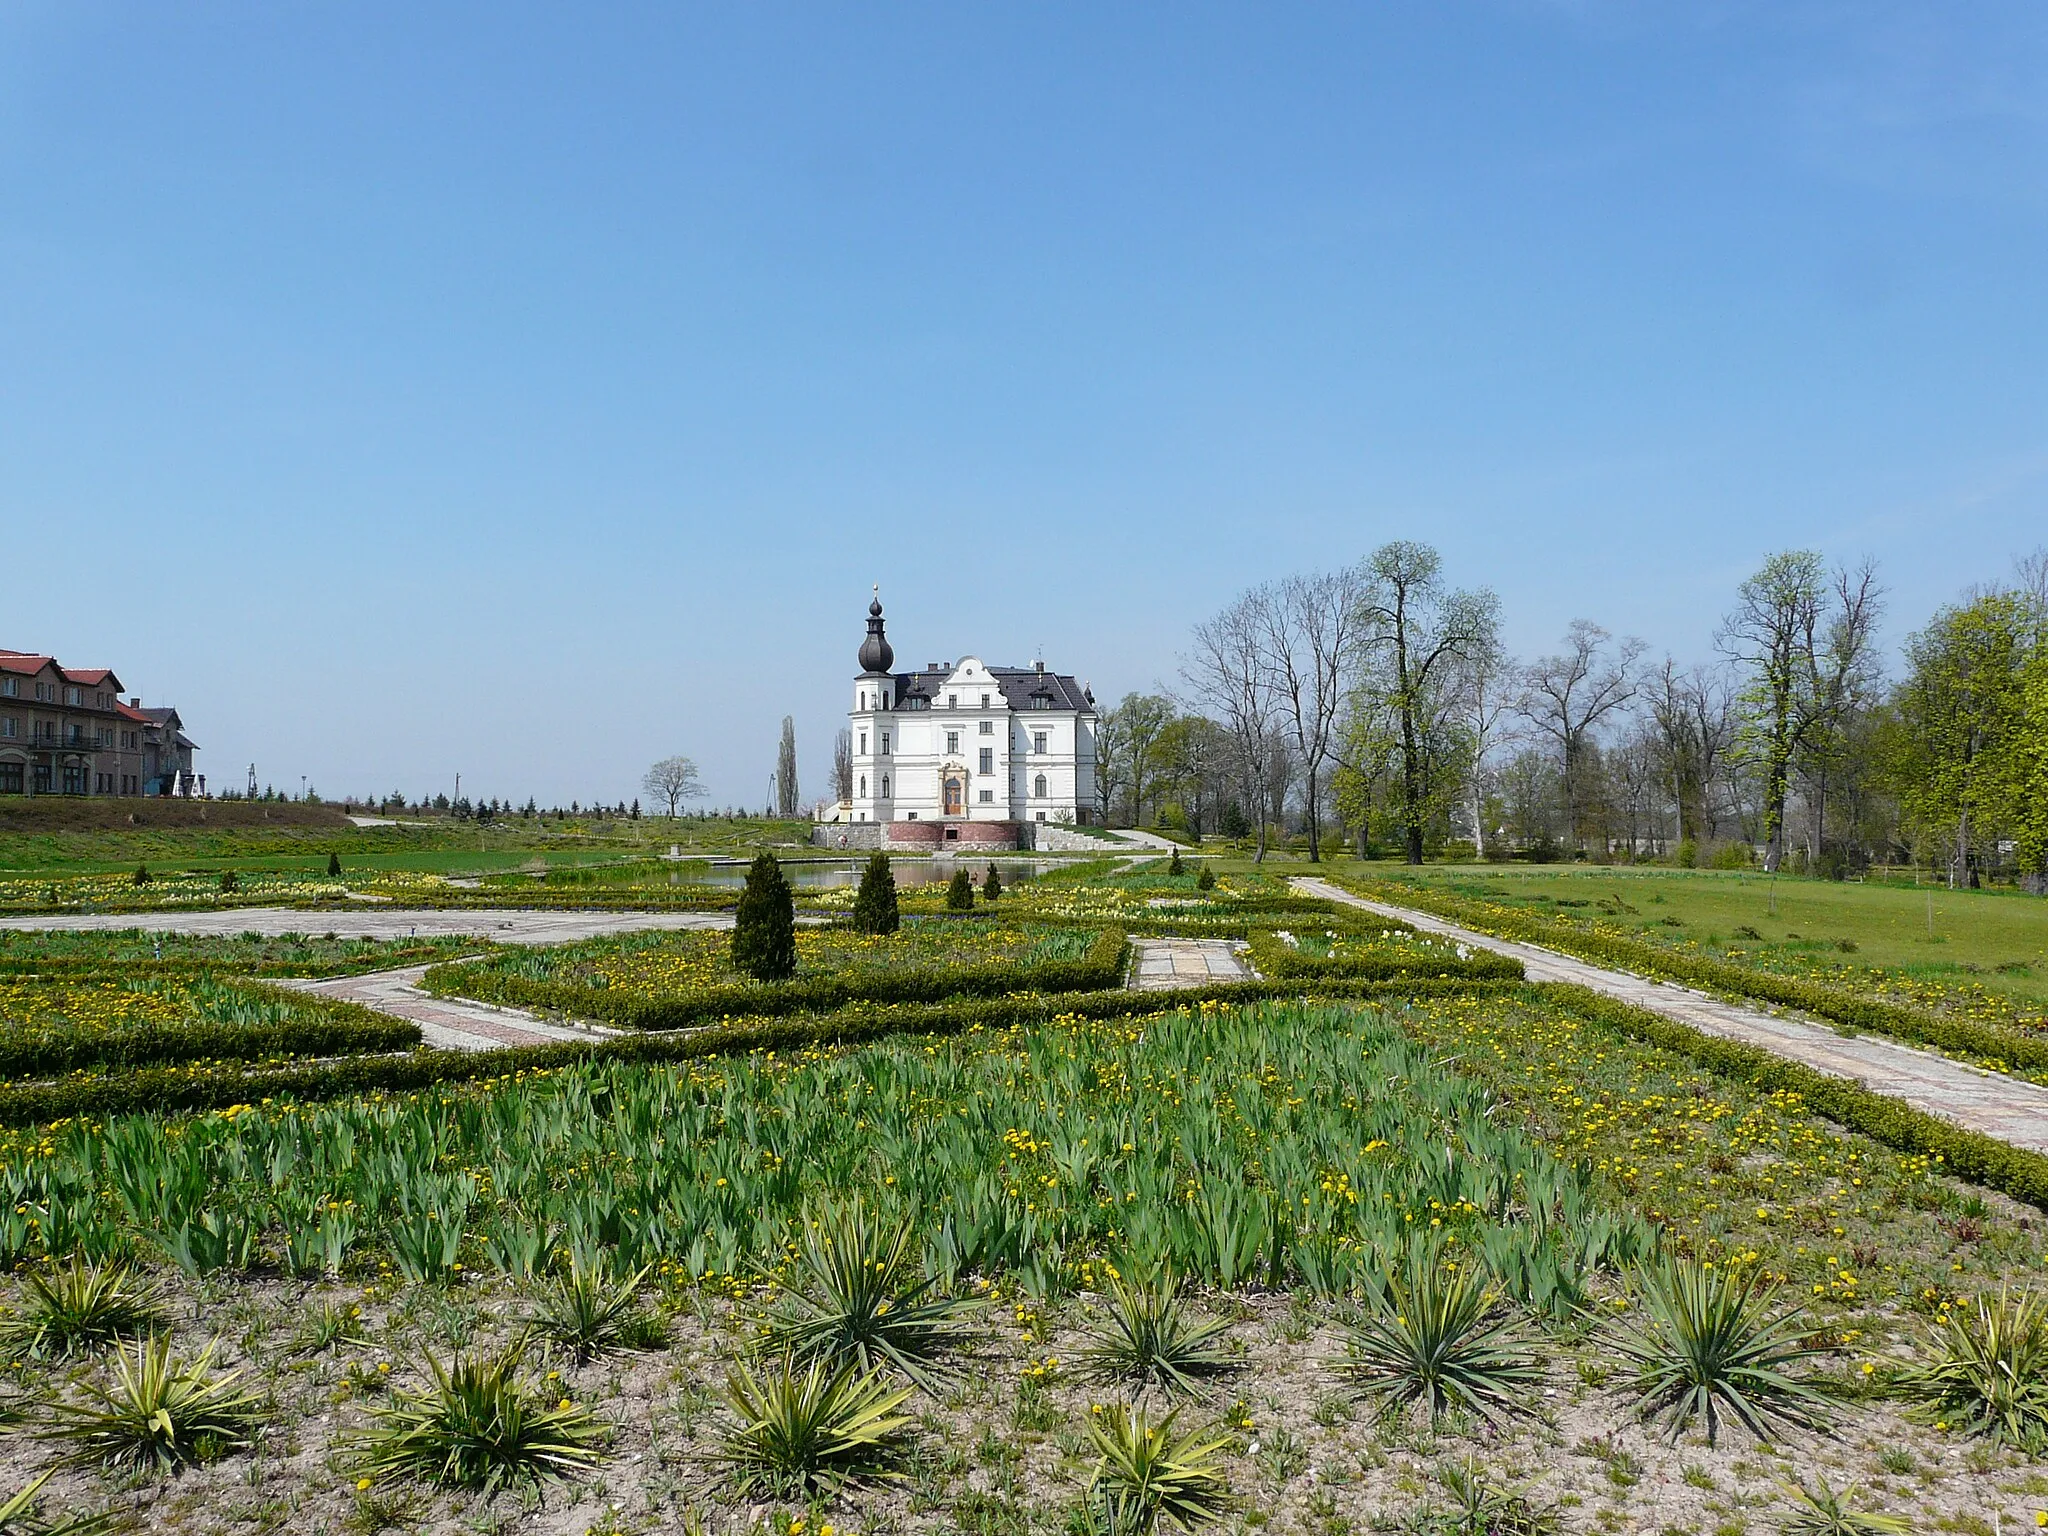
[(67, 731), (966, 747)]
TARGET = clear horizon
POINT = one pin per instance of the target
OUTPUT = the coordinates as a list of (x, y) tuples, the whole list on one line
[(531, 395)]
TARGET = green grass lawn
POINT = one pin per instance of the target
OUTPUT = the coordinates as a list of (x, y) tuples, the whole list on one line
[(1996, 940)]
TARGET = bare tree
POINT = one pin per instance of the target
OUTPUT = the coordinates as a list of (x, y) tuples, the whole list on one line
[(1491, 693), (1693, 713), (1225, 673), (1570, 693), (673, 779), (842, 764), (785, 771), (1313, 627)]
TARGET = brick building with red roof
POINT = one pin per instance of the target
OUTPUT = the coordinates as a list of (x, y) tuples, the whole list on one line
[(67, 731)]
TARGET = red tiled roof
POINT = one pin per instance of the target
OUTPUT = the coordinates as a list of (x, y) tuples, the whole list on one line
[(92, 675), (130, 712), (22, 661)]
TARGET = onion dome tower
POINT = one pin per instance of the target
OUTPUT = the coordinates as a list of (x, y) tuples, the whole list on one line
[(876, 654)]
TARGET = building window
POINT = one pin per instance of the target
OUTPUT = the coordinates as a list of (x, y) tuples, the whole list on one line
[(8, 727), (10, 778), (863, 743), (1038, 786), (1038, 741), (988, 727), (46, 693), (987, 797), (885, 743), (1041, 815), (885, 786), (952, 741), (863, 786), (75, 697), (984, 701), (10, 687), (988, 759), (952, 701)]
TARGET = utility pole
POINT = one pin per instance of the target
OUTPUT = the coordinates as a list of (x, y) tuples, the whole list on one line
[(458, 786)]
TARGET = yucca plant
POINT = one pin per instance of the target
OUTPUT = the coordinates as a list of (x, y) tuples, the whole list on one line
[(859, 1299), (82, 1306), (1145, 1473), (482, 1424), (592, 1313), (1437, 1338), (22, 1515), (1989, 1375), (157, 1410), (804, 1430), (1148, 1339), (1828, 1513), (1708, 1340)]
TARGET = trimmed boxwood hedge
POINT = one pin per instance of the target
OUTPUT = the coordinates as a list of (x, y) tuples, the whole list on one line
[(1280, 960), (320, 1026), (2007, 1048), (172, 1090), (1966, 1154), (1102, 966)]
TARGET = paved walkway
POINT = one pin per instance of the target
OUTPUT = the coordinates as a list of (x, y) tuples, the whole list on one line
[(1160, 965), (447, 1023), (506, 925), (2008, 1108)]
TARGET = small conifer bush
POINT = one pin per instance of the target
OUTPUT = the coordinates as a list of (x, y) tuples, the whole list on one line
[(333, 865), (1206, 880), (142, 874), (230, 881), (1176, 866), (764, 926), (992, 887), (960, 894), (874, 904)]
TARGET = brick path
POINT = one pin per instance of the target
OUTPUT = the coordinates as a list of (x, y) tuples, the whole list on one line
[(1160, 965), (448, 1023), (2008, 1108)]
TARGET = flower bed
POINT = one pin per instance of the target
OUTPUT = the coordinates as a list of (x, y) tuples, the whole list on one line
[(1372, 954)]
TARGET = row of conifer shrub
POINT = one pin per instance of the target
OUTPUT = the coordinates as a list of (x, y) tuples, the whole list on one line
[(2011, 1049), (314, 1026), (1280, 960), (1102, 967), (1965, 1154), (171, 1089)]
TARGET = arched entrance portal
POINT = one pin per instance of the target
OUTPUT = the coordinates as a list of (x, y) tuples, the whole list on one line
[(956, 795)]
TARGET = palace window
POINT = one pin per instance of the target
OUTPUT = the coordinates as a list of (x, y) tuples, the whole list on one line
[(988, 759), (863, 786), (988, 797), (885, 786), (952, 741), (885, 743), (1038, 786), (988, 727), (863, 743), (984, 701), (952, 701), (1038, 741)]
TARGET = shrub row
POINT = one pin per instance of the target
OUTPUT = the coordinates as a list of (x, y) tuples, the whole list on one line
[(2007, 1048), (1102, 966), (1966, 1154), (315, 1026), (173, 1090), (1277, 958), (94, 968)]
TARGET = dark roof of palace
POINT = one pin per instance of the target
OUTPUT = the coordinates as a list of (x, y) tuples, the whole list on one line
[(1018, 685)]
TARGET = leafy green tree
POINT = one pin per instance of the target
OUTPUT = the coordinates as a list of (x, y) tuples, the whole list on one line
[(960, 894), (874, 904), (764, 926), (1967, 735)]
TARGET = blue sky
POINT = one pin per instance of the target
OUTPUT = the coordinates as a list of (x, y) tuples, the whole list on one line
[(531, 393)]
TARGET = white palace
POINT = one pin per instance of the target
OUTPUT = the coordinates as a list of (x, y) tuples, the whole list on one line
[(962, 753)]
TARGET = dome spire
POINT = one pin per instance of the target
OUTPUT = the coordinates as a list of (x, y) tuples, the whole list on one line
[(876, 654)]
